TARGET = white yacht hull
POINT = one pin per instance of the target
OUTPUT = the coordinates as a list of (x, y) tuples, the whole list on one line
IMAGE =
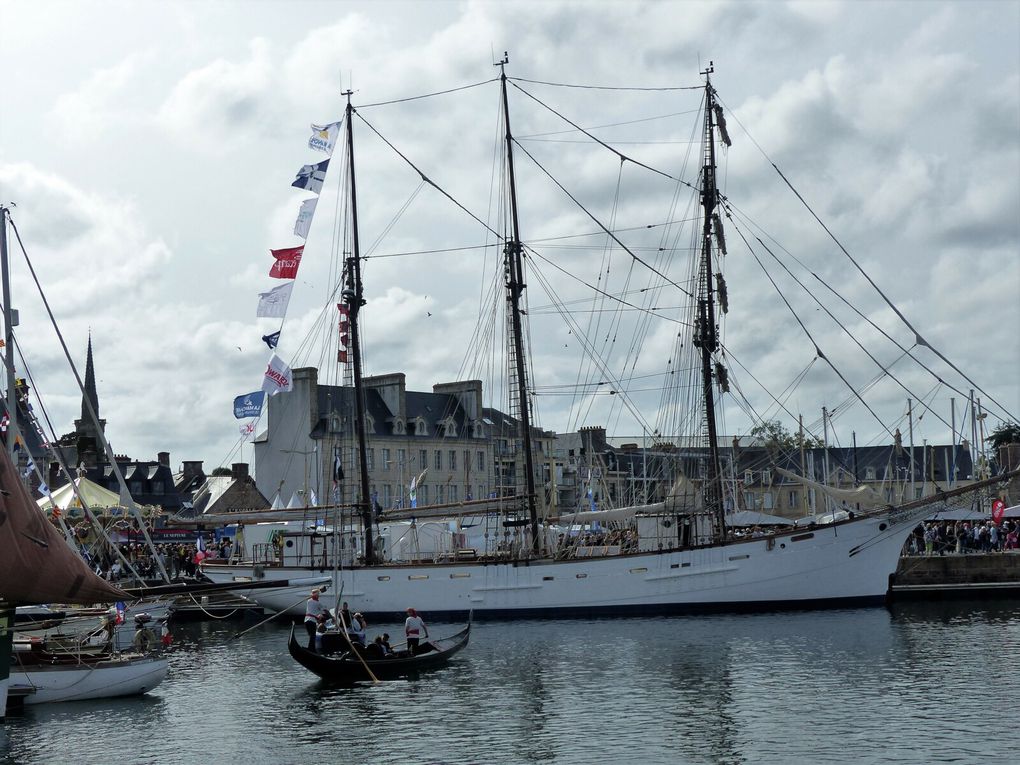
[(841, 564), (94, 680)]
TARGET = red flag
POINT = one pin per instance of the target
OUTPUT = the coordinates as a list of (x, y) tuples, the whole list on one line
[(287, 262), (344, 329), (998, 510)]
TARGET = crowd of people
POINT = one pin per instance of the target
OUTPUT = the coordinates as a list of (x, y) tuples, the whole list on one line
[(963, 537), (178, 559)]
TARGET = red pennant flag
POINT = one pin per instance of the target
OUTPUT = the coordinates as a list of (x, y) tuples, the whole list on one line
[(287, 262), (344, 329), (998, 510)]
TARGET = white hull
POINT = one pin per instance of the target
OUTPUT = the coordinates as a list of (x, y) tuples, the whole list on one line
[(849, 562), (95, 680)]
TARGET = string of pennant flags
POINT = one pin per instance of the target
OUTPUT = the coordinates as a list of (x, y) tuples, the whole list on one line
[(273, 302)]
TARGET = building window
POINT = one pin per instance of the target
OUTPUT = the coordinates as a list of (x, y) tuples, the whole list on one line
[(387, 495), (136, 487), (791, 499), (869, 474), (748, 476), (370, 456), (749, 500), (453, 459), (157, 487), (439, 459), (423, 459), (420, 428), (385, 459), (767, 503), (401, 458), (423, 494), (480, 461), (453, 493), (399, 427), (439, 493), (467, 461)]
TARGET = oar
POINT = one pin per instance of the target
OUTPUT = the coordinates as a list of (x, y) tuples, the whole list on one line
[(271, 617), (368, 669)]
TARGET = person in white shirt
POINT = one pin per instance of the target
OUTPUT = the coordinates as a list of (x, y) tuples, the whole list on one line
[(313, 610), (414, 630)]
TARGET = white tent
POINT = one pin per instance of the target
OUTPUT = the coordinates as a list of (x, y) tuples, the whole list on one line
[(94, 495)]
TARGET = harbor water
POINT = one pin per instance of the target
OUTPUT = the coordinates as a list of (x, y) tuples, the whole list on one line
[(914, 683)]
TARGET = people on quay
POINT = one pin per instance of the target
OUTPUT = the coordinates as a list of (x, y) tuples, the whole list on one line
[(313, 610), (415, 630)]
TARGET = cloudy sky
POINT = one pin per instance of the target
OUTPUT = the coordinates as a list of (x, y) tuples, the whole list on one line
[(149, 149)]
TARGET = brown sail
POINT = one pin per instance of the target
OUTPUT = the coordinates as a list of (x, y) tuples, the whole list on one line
[(36, 564)]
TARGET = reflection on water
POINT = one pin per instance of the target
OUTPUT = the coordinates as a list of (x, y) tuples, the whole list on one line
[(916, 683)]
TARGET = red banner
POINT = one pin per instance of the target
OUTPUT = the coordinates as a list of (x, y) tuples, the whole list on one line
[(344, 330), (287, 262), (998, 510)]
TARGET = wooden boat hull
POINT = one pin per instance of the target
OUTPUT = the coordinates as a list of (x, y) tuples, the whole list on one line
[(347, 668)]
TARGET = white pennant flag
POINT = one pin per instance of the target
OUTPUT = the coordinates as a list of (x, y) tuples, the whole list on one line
[(273, 304), (304, 218), (278, 378), (324, 137)]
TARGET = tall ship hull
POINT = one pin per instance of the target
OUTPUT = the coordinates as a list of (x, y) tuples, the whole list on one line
[(846, 563)]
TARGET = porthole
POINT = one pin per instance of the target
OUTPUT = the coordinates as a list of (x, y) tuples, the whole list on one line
[(882, 527), (383, 578)]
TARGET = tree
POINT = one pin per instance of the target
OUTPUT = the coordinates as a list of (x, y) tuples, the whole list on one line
[(776, 437), (1003, 434), (221, 471)]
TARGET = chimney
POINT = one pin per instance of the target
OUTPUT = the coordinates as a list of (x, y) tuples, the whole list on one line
[(239, 471), (191, 469), (163, 458)]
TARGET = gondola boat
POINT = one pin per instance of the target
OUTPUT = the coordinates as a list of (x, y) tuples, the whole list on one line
[(348, 667)]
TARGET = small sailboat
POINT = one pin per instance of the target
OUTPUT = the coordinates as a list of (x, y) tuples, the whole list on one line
[(39, 567), (684, 556)]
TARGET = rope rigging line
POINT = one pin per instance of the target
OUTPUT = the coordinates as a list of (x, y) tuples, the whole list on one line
[(887, 372), (604, 87), (918, 338), (818, 350), (599, 141), (428, 95), (533, 136), (599, 223), (848, 304)]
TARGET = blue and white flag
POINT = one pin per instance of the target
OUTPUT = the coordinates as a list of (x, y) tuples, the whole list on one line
[(249, 405), (272, 339), (324, 137), (304, 218), (273, 304), (311, 177)]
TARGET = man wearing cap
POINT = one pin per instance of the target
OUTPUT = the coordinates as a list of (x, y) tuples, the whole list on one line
[(313, 610)]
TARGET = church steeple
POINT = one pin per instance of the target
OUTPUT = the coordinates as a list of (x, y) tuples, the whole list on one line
[(87, 438), (90, 386)]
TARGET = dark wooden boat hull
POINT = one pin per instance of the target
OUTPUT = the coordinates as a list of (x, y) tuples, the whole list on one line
[(348, 668)]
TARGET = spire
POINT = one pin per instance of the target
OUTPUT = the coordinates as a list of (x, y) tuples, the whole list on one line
[(90, 385)]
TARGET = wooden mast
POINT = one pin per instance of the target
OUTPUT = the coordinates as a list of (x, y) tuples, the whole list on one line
[(706, 336), (515, 287), (353, 296)]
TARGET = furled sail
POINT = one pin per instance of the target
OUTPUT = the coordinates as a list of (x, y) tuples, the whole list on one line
[(36, 565), (865, 496)]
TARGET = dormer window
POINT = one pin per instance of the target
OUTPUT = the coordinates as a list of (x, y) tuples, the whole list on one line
[(399, 427), (449, 426), (748, 476), (421, 428), (476, 429), (869, 474)]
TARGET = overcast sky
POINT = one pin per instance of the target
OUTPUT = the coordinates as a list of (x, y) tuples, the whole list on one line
[(149, 148)]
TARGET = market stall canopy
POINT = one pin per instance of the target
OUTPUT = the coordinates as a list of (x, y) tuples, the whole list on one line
[(94, 495)]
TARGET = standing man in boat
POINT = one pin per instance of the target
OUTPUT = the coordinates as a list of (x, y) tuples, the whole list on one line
[(313, 610), (414, 630)]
